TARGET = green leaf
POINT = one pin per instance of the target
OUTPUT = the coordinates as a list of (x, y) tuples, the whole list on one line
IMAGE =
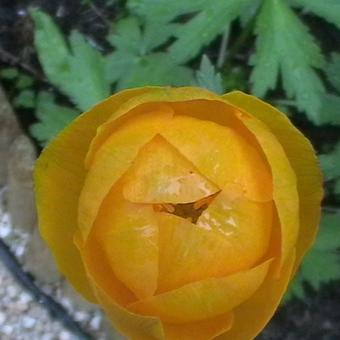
[(284, 45), (9, 73), (155, 37), (155, 69), (24, 81), (204, 27), (330, 109), (330, 163), (127, 36), (327, 9), (333, 71), (52, 118), (130, 36), (25, 98), (133, 63), (78, 71), (337, 187), (322, 263), (208, 78), (89, 84), (163, 10)]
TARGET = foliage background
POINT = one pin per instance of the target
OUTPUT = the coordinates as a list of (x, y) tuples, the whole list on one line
[(285, 51)]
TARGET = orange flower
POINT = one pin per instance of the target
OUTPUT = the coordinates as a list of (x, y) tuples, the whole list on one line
[(182, 213)]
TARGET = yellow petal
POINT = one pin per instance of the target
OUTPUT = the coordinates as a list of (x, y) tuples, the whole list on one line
[(99, 270), (302, 159), (113, 159), (284, 182), (128, 234), (230, 235), (148, 100), (201, 330), (188, 253), (59, 176), (133, 326), (203, 299), (160, 174), (251, 316), (221, 154), (245, 224)]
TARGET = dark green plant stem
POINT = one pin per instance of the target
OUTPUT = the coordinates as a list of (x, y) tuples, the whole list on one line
[(239, 43), (12, 60), (222, 54), (54, 308)]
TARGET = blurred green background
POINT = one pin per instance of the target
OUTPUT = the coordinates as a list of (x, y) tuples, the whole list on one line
[(58, 58)]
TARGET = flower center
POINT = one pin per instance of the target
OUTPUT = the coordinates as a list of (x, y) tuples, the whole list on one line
[(190, 211)]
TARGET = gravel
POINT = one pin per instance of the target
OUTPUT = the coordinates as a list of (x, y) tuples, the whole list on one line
[(23, 318)]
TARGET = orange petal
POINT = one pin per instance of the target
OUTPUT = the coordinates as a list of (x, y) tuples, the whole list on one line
[(128, 234), (133, 326), (113, 159), (251, 316), (152, 97), (302, 159), (203, 299), (245, 224), (231, 235), (99, 270), (201, 330), (161, 174), (188, 253), (284, 183), (221, 154), (59, 176)]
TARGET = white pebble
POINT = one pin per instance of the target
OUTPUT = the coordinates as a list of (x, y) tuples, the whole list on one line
[(28, 322), (95, 321), (47, 337), (80, 316), (11, 291), (66, 303), (25, 298), (2, 318), (19, 251), (64, 335), (5, 230), (7, 329)]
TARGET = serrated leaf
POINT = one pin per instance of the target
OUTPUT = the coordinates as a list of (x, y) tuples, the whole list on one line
[(333, 71), (126, 36), (9, 73), (51, 46), (24, 81), (118, 63), (322, 263), (330, 163), (284, 45), (155, 37), (204, 27), (132, 37), (52, 118), (337, 187), (155, 69), (207, 77), (164, 10), (133, 63), (79, 72), (330, 109), (89, 84), (25, 98), (327, 9)]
